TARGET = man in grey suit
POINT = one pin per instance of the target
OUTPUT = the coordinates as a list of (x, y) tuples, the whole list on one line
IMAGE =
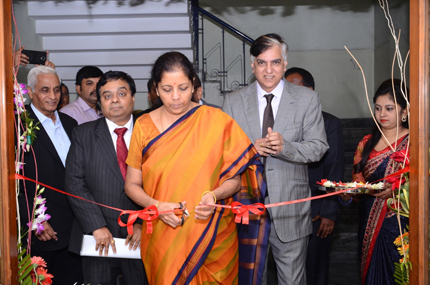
[(285, 123), (95, 170)]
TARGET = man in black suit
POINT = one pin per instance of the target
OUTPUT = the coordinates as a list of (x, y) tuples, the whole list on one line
[(95, 170), (46, 165), (198, 94), (324, 211)]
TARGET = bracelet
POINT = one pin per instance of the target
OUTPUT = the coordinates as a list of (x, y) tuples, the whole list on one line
[(158, 203), (211, 193), (343, 203)]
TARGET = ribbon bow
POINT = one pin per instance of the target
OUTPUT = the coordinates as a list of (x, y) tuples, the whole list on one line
[(148, 214), (242, 211)]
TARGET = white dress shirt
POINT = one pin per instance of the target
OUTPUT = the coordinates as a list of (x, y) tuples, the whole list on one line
[(127, 136), (262, 101), (56, 133)]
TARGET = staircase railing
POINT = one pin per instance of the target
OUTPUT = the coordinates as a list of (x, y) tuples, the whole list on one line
[(214, 64)]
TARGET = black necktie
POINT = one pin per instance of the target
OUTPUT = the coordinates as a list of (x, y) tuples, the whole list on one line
[(268, 119)]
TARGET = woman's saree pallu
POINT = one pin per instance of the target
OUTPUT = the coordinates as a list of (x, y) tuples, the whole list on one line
[(198, 153), (377, 167)]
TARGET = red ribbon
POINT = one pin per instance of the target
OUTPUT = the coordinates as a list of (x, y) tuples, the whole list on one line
[(148, 214), (242, 211)]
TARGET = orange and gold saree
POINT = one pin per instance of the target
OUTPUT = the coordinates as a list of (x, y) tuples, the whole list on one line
[(198, 153)]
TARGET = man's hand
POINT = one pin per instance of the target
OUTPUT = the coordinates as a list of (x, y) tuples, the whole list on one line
[(326, 226), (134, 239), (274, 141), (104, 239), (262, 147), (47, 234), (47, 62)]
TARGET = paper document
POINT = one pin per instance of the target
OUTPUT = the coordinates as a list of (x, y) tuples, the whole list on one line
[(122, 251)]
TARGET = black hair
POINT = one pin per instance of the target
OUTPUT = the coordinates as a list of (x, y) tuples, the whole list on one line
[(263, 43), (171, 61), (168, 62), (113, 76), (386, 87), (197, 82), (308, 79), (150, 84), (63, 85), (87, 72)]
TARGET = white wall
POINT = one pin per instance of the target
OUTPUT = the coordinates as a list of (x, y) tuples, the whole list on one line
[(25, 31), (316, 35)]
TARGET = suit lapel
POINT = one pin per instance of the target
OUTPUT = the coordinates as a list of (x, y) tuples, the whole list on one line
[(68, 128), (106, 148), (43, 138), (252, 114), (286, 109)]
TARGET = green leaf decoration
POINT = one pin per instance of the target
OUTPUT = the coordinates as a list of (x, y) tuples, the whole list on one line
[(401, 274), (24, 268)]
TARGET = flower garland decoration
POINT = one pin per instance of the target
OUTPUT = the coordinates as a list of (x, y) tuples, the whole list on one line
[(402, 268), (400, 185), (29, 134), (40, 274), (39, 214), (32, 270), (400, 204)]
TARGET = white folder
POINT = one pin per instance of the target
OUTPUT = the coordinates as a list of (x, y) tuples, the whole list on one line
[(89, 249)]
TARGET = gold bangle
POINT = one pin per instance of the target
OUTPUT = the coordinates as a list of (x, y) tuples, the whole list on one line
[(158, 203), (211, 193)]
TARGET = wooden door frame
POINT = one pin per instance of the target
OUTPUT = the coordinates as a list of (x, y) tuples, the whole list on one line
[(419, 133), (419, 74), (8, 241)]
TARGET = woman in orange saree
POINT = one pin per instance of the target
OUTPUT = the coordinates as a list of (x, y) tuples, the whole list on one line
[(187, 155)]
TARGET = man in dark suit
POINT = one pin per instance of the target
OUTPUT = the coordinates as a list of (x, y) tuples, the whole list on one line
[(198, 94), (324, 211), (95, 170), (46, 165), (285, 123)]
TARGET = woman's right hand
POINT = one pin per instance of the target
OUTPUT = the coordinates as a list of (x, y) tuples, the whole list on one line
[(170, 219)]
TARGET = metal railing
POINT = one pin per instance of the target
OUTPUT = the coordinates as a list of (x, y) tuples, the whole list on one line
[(214, 64)]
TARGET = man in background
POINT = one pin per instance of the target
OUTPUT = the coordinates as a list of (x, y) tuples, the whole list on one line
[(198, 93), (324, 211), (152, 97), (65, 96), (85, 108)]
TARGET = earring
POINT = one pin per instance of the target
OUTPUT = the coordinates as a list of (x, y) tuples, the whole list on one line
[(404, 119)]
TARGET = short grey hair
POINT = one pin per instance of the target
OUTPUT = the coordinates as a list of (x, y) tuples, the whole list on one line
[(265, 42), (36, 71)]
